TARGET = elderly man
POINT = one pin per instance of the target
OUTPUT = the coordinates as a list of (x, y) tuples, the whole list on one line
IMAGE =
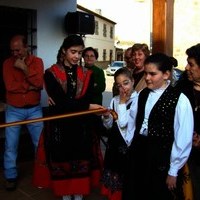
[(23, 77)]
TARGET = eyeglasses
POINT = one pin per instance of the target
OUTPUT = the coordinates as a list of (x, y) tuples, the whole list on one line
[(89, 56), (124, 84)]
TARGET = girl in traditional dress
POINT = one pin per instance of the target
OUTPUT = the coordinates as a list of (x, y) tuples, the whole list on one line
[(118, 140), (161, 122), (68, 163)]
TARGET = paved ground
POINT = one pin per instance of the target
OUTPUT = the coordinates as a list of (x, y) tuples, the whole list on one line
[(26, 191)]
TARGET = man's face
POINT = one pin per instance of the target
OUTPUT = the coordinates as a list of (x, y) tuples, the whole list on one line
[(18, 49), (193, 70)]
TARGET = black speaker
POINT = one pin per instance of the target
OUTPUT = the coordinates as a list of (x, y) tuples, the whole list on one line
[(79, 23)]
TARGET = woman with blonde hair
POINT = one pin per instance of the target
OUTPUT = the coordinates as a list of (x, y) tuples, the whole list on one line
[(140, 51)]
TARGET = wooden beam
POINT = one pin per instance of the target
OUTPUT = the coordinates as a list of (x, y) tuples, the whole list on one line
[(169, 27), (162, 27)]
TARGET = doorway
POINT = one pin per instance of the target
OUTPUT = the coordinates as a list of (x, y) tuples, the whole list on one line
[(15, 21)]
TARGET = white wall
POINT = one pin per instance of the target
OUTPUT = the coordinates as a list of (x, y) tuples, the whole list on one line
[(50, 33)]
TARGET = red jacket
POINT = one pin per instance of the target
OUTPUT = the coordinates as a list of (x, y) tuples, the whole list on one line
[(17, 83)]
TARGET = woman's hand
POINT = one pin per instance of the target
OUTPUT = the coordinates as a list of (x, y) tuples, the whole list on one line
[(106, 114), (96, 106), (110, 112), (51, 102), (196, 140), (124, 96)]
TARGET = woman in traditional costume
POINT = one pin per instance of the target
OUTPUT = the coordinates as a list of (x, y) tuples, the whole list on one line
[(68, 165)]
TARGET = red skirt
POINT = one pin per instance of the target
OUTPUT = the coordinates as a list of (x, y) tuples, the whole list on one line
[(117, 195), (82, 185)]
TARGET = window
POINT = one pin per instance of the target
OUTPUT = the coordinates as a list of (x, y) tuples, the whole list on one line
[(96, 27), (18, 21), (15, 21), (111, 55), (104, 54), (104, 30), (32, 31), (111, 32)]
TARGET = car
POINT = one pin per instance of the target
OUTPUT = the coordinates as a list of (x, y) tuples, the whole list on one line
[(114, 66), (176, 74)]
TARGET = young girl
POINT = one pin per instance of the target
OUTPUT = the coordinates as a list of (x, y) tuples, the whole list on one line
[(118, 140), (161, 121), (68, 142)]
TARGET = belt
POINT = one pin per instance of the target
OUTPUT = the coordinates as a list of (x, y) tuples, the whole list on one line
[(29, 106)]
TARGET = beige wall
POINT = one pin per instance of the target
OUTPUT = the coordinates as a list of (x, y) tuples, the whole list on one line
[(186, 28)]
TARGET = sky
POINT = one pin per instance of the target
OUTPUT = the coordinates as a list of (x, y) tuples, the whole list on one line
[(133, 21), (132, 17)]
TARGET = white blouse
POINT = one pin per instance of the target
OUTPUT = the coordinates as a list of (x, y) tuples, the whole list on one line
[(123, 116), (183, 127)]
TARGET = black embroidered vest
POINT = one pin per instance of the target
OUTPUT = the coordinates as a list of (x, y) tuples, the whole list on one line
[(160, 124)]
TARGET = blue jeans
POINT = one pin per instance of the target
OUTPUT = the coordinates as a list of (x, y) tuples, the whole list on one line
[(12, 135)]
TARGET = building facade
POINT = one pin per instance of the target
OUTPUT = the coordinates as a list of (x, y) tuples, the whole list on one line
[(103, 39)]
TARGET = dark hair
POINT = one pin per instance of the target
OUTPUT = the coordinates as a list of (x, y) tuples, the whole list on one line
[(129, 49), (162, 61), (96, 54), (69, 41), (72, 40), (174, 61), (194, 52), (141, 46), (123, 71)]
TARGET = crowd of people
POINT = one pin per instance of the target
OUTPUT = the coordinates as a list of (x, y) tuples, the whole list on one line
[(153, 134)]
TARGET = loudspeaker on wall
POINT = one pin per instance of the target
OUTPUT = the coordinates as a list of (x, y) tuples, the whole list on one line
[(79, 23)]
